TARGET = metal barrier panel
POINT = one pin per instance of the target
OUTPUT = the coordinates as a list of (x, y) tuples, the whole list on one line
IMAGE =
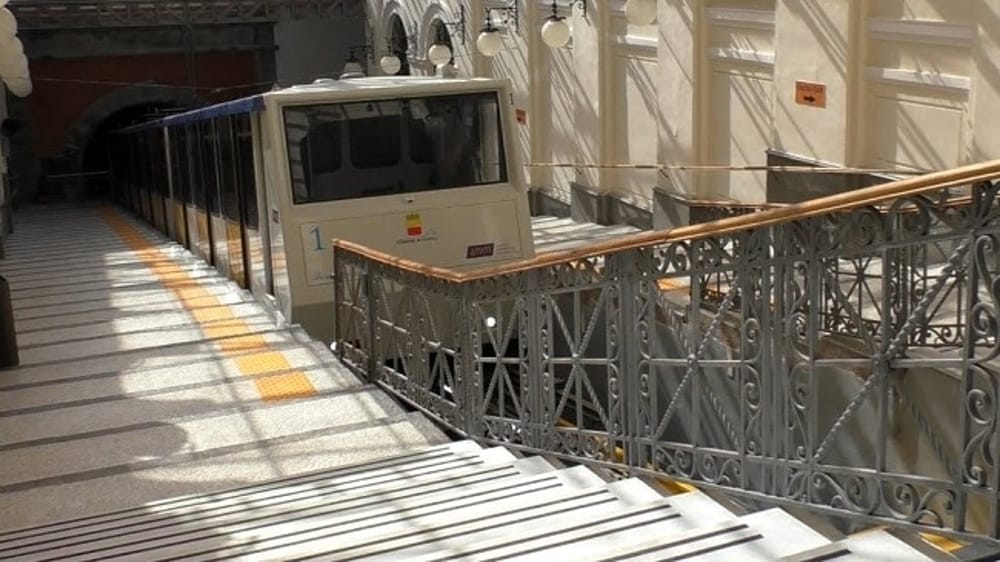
[(801, 361)]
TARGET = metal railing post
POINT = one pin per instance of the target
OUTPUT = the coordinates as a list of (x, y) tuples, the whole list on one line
[(628, 270), (466, 373), (369, 291)]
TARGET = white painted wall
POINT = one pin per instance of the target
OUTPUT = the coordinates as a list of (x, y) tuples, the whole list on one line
[(714, 82)]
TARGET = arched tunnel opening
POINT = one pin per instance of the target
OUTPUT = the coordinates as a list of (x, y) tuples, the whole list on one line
[(95, 163)]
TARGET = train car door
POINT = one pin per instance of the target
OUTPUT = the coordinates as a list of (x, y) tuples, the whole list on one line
[(200, 185), (153, 170), (258, 226), (229, 198), (197, 217), (134, 177), (213, 186), (142, 157), (175, 205), (271, 159), (253, 247), (185, 165)]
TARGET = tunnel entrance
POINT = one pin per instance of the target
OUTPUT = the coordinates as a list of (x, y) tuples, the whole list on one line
[(93, 181)]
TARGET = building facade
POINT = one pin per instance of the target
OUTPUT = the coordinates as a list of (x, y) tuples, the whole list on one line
[(881, 85)]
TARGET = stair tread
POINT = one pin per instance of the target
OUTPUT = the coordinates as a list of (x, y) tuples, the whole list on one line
[(862, 547), (344, 515)]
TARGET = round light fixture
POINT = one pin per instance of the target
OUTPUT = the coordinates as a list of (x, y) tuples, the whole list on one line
[(390, 64), (19, 86), (556, 32), (439, 54), (13, 63), (489, 42), (352, 69), (640, 12), (8, 23)]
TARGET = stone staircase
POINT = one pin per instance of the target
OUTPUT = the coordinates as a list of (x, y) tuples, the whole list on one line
[(452, 502), (159, 413)]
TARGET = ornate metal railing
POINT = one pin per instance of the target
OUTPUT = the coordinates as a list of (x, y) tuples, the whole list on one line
[(703, 211), (787, 390)]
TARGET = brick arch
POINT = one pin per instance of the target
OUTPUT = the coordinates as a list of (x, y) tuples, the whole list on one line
[(83, 129)]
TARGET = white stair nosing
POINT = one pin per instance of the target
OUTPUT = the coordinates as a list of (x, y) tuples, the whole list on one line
[(862, 547), (361, 513), (459, 451), (513, 517)]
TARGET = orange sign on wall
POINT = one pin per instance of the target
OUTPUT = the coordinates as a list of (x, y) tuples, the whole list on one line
[(810, 93)]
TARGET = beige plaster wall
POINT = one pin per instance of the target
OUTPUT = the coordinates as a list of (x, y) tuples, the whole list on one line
[(714, 82)]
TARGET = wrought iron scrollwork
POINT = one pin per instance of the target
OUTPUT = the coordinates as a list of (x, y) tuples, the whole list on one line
[(766, 362)]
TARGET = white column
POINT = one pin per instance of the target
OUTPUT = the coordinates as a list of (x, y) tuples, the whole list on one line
[(589, 62), (680, 63), (812, 43)]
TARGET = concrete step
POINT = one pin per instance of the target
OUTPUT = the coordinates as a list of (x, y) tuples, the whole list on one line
[(862, 547), (601, 537), (144, 342), (150, 479), (763, 536), (553, 522), (201, 370), (526, 501), (75, 329), (552, 234), (127, 361), (204, 428), (23, 427), (361, 508), (294, 494)]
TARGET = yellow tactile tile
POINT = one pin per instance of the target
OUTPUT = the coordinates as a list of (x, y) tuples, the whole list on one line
[(243, 344), (942, 543), (217, 321), (213, 314), (257, 364), (284, 387)]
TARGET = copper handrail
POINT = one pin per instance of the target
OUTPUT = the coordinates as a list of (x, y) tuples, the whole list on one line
[(839, 202)]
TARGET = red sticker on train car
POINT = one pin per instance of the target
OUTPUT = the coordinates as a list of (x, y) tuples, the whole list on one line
[(414, 226)]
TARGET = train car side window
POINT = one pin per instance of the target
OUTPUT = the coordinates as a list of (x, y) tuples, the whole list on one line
[(375, 134), (395, 146)]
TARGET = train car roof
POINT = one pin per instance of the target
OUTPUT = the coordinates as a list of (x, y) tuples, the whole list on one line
[(254, 103)]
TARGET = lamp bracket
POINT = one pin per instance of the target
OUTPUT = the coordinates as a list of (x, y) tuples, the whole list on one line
[(582, 4), (367, 50), (411, 46), (506, 14), (457, 27)]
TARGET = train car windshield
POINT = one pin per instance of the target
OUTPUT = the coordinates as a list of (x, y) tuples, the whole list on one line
[(354, 150)]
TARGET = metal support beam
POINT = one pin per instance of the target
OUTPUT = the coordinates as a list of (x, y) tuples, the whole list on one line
[(35, 15)]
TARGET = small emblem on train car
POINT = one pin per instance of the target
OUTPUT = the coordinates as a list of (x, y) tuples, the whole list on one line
[(414, 226), (479, 251)]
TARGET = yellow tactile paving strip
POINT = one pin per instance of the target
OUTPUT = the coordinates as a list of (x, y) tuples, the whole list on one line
[(218, 322)]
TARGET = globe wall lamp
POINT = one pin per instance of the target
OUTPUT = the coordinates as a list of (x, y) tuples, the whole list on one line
[(440, 53), (13, 63), (490, 42), (353, 67), (555, 30), (390, 63), (640, 12)]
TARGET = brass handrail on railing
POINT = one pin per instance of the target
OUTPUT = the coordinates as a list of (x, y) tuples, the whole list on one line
[(833, 203), (762, 355)]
